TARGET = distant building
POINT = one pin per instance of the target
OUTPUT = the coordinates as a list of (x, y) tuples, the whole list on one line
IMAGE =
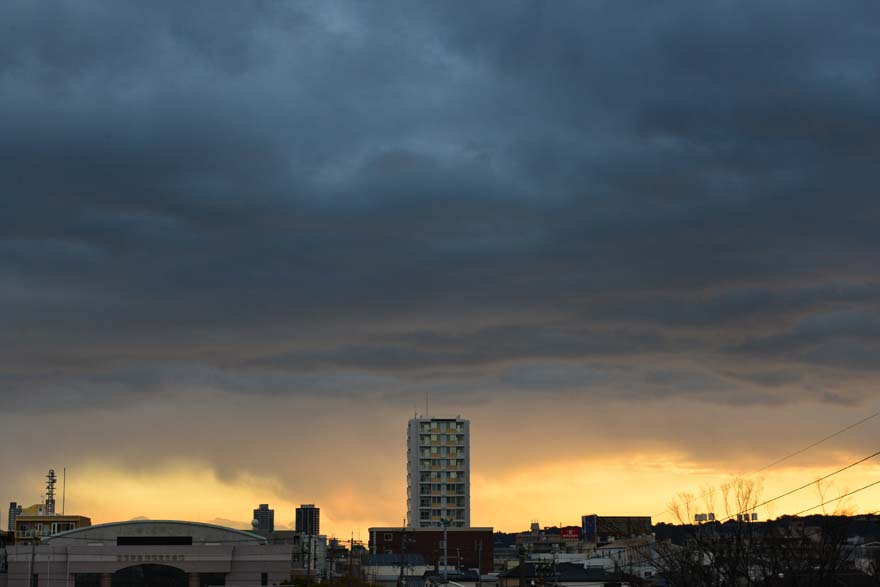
[(551, 540), (395, 570), (468, 548), (308, 519), (14, 510), (562, 575), (604, 529), (438, 472), (309, 557), (34, 528), (265, 518)]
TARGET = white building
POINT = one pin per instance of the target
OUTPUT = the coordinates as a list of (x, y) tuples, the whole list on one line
[(141, 553), (635, 556), (438, 485)]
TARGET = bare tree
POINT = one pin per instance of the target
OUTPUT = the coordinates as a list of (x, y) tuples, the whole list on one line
[(737, 550)]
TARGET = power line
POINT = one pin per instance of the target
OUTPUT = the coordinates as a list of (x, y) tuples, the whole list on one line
[(839, 497), (651, 559), (783, 459), (804, 486), (817, 443)]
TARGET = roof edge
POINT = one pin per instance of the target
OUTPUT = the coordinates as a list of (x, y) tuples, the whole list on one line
[(66, 533)]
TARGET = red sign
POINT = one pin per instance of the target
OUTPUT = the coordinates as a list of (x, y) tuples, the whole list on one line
[(571, 533)]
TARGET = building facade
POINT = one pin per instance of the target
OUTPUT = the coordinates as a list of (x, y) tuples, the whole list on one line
[(308, 519), (309, 558), (467, 548), (265, 518), (604, 529), (30, 529), (438, 472), (14, 510), (144, 553)]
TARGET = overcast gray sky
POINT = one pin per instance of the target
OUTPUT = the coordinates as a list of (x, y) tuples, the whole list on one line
[(227, 226)]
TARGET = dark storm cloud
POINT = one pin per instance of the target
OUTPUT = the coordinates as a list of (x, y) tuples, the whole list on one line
[(283, 199)]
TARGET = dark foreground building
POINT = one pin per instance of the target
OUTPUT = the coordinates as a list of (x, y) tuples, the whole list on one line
[(308, 519), (469, 548), (604, 529)]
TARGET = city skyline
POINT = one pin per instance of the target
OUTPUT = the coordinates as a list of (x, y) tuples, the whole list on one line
[(240, 243), (776, 478)]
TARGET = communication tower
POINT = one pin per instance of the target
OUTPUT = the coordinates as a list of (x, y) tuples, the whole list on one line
[(50, 493)]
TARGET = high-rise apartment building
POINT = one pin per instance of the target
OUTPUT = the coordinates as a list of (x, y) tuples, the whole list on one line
[(265, 518), (438, 485), (308, 519)]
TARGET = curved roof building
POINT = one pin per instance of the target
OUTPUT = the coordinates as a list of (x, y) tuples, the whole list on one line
[(148, 553)]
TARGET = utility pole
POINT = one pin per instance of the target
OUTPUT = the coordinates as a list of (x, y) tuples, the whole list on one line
[(556, 564), (522, 565), (445, 523), (479, 546), (401, 580), (351, 557), (305, 551)]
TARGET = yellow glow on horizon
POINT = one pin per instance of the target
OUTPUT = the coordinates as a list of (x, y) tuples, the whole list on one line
[(550, 492)]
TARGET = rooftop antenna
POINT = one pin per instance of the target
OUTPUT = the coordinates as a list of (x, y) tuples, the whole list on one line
[(50, 492), (63, 490), (427, 412)]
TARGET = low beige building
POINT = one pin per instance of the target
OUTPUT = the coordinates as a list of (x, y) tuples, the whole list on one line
[(34, 528), (147, 553)]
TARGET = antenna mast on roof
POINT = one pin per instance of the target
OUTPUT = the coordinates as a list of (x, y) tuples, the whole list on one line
[(50, 493)]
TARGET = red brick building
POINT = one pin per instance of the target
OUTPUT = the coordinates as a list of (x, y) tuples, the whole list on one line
[(469, 548)]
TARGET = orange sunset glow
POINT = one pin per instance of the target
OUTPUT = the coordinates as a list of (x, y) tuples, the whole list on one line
[(512, 293)]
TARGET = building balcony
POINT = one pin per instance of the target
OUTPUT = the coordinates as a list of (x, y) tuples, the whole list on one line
[(25, 534)]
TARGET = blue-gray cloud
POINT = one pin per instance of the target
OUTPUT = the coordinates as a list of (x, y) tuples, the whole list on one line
[(414, 192)]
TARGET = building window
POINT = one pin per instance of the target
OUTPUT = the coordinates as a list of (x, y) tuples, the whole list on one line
[(264, 578), (389, 536)]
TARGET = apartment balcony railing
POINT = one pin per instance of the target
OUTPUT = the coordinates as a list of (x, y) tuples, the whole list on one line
[(33, 533)]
